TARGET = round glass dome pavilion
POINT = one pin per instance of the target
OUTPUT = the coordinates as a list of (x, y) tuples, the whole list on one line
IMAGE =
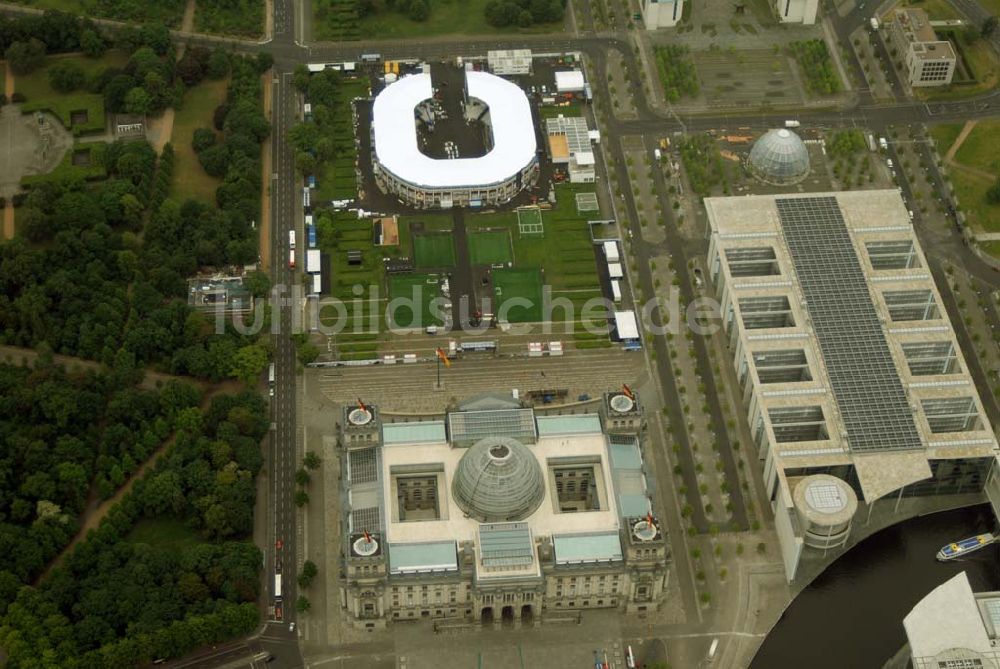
[(498, 479), (779, 157)]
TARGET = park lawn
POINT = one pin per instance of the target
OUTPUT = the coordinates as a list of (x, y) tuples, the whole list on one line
[(244, 18), (944, 135), (434, 250), (970, 189), (521, 284), (94, 170), (336, 179), (448, 17), (167, 12), (190, 180), (163, 533), (402, 314), (39, 95), (335, 236), (979, 149), (992, 248), (489, 247)]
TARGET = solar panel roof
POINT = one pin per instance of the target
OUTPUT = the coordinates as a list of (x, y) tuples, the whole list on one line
[(865, 382)]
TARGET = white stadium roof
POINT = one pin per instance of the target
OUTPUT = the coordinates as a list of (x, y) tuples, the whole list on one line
[(395, 131)]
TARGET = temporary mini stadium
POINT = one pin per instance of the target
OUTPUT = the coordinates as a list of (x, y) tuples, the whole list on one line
[(402, 168)]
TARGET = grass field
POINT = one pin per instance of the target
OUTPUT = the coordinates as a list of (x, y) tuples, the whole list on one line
[(168, 12), (980, 148), (93, 170), (489, 247), (418, 290), (39, 95), (336, 235), (993, 248), (245, 18), (522, 284), (190, 180), (335, 19), (977, 152), (337, 180), (434, 250), (163, 532), (945, 135)]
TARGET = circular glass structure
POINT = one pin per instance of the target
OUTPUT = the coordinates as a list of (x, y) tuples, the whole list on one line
[(779, 157), (498, 479)]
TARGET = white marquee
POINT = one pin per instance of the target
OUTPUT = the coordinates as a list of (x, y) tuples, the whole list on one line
[(395, 133)]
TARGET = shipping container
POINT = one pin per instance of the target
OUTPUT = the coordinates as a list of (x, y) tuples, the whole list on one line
[(616, 290)]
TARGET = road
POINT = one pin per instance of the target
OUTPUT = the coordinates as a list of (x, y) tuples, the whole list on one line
[(282, 457)]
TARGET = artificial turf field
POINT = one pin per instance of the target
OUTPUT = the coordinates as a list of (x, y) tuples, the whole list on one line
[(436, 250), (489, 247), (402, 286), (519, 283)]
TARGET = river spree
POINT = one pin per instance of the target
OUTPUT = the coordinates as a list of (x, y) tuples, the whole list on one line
[(852, 614)]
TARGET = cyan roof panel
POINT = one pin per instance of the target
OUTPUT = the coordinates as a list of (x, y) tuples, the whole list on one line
[(633, 506), (587, 423), (580, 548), (625, 456), (422, 432), (424, 557)]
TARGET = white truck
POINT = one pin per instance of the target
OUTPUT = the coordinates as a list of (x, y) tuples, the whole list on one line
[(792, 124), (291, 239), (874, 23)]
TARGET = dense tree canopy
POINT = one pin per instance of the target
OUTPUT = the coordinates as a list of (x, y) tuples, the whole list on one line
[(118, 602)]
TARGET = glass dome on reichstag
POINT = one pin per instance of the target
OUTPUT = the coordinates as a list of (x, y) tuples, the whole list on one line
[(498, 479), (779, 157)]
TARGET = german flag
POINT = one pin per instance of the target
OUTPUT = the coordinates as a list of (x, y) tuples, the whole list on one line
[(443, 357), (628, 391)]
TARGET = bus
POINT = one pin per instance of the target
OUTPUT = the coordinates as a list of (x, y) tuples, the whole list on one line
[(291, 259), (277, 586)]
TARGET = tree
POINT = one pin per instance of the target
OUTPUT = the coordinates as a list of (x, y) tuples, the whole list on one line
[(301, 498), (989, 26), (249, 363), (202, 139), (418, 10), (138, 101), (307, 574), (25, 57), (92, 44), (218, 64), (302, 477), (993, 192), (258, 283), (66, 76), (215, 160), (302, 604), (311, 460), (300, 77)]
